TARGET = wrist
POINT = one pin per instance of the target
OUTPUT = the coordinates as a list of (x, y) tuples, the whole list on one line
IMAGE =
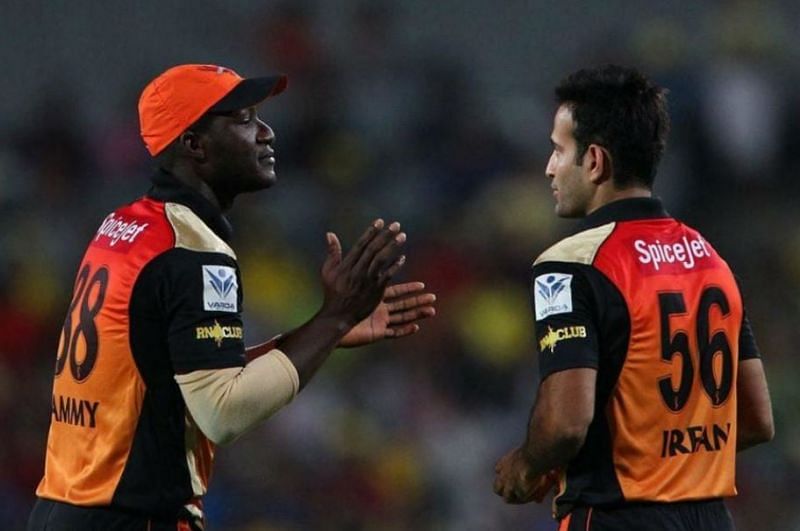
[(340, 324), (339, 317)]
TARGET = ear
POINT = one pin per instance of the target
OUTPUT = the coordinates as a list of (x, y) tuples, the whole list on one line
[(192, 145), (598, 163)]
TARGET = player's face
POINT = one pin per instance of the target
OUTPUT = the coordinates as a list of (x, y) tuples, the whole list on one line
[(239, 151), (571, 186)]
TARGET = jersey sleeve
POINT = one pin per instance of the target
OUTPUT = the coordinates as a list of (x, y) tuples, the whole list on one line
[(201, 295), (748, 349), (563, 308)]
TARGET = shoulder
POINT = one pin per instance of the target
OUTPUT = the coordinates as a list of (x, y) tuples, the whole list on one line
[(580, 248), (192, 233)]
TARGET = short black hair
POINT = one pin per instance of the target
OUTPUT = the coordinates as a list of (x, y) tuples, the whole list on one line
[(623, 111)]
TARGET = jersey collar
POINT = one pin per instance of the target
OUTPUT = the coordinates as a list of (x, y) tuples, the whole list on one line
[(625, 210), (166, 187)]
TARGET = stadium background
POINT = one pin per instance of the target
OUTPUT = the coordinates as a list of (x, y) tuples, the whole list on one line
[(434, 113)]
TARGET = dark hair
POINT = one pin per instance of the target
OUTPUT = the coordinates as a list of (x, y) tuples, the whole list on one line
[(623, 111)]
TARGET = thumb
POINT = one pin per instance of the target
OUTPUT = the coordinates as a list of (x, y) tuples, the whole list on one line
[(334, 257)]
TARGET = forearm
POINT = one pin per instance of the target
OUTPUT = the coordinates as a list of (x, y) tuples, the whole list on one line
[(748, 440), (754, 422), (255, 351), (555, 434), (310, 345), (754, 428), (549, 447), (225, 403)]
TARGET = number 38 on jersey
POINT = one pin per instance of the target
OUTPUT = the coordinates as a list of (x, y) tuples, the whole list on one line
[(79, 341)]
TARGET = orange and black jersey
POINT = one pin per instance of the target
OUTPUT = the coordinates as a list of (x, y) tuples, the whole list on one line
[(158, 293), (648, 302)]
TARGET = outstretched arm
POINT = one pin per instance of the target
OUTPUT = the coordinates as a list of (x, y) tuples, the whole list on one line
[(398, 315), (227, 402)]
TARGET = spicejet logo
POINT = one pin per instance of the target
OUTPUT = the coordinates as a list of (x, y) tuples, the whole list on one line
[(685, 252), (218, 333), (552, 337), (116, 229)]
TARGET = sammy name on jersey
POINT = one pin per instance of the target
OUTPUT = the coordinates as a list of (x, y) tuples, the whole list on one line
[(685, 252)]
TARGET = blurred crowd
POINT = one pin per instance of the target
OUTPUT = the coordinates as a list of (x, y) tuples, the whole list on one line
[(405, 435)]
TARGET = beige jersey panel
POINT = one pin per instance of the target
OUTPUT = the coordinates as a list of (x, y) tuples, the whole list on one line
[(192, 233), (225, 403), (580, 248)]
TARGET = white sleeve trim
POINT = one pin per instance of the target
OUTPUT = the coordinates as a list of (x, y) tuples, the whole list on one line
[(225, 403)]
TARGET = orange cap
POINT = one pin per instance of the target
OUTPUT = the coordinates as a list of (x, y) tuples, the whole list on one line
[(180, 96)]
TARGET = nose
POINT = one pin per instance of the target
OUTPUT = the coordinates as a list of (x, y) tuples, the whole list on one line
[(265, 133), (550, 170)]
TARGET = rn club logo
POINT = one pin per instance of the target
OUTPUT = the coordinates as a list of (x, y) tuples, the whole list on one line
[(219, 332), (552, 337)]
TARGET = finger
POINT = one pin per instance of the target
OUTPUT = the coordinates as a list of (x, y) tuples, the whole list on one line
[(411, 301), (515, 499), (411, 315), (522, 493), (373, 246), (387, 274), (394, 332), (368, 236), (502, 462), (334, 257), (398, 290), (510, 495), (381, 253), (498, 486)]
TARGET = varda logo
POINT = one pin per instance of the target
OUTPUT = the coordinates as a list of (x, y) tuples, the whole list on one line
[(220, 289), (551, 287), (552, 294), (222, 282)]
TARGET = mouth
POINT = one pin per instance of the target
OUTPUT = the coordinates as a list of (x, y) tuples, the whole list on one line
[(267, 157)]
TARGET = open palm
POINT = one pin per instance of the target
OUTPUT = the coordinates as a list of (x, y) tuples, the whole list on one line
[(397, 315)]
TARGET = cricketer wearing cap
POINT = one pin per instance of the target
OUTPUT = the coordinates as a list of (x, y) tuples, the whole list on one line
[(151, 370)]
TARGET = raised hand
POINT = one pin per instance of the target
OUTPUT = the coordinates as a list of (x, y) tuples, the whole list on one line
[(355, 284), (397, 315)]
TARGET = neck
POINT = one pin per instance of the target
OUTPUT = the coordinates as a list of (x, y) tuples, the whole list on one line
[(606, 195), (191, 179)]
